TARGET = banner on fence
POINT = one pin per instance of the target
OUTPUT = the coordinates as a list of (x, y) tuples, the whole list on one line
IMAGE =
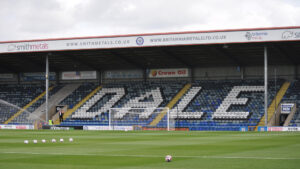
[(286, 108)]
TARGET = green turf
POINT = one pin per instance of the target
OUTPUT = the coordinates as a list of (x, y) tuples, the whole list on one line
[(146, 150)]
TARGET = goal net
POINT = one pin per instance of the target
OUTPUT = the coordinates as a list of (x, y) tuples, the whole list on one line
[(141, 119)]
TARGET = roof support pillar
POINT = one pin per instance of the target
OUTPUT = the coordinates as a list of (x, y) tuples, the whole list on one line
[(47, 86), (266, 84)]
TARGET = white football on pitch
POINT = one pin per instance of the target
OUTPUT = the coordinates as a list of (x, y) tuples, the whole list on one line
[(71, 139), (61, 140), (53, 141), (26, 141), (43, 141), (168, 158), (35, 141)]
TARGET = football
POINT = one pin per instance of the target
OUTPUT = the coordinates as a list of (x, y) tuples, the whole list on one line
[(168, 158)]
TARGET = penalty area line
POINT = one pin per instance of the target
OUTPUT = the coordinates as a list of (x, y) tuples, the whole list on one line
[(157, 156)]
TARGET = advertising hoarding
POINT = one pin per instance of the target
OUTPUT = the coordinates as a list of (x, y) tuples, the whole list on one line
[(151, 40), (286, 108), (6, 75), (37, 76), (123, 74), (14, 127), (165, 73), (79, 75)]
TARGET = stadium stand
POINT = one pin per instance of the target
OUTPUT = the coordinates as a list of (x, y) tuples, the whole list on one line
[(292, 96), (200, 107), (206, 105), (208, 84), (77, 95), (24, 116), (141, 94), (212, 95), (84, 113), (178, 113), (18, 95)]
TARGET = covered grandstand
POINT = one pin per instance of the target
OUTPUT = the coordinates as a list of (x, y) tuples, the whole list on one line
[(209, 80)]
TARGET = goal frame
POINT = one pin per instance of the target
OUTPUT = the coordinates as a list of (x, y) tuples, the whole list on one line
[(161, 110)]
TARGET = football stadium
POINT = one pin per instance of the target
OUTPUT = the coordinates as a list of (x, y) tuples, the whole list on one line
[(201, 99)]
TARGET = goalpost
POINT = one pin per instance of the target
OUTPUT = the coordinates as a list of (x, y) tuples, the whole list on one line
[(150, 118)]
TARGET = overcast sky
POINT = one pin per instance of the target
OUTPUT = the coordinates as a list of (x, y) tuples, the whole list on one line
[(36, 19)]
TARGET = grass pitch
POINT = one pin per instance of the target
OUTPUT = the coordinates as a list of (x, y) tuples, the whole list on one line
[(147, 149)]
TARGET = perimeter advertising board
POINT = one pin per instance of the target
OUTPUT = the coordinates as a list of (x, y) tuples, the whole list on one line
[(6, 75), (123, 74), (96, 128), (147, 40), (119, 128), (37, 76), (79, 75), (283, 128), (15, 127), (286, 108), (168, 73)]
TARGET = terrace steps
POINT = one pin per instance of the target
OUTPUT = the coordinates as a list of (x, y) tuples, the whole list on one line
[(26, 106), (171, 104), (70, 111), (276, 102)]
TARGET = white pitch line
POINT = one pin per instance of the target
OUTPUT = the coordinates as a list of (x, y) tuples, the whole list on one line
[(233, 157), (157, 156)]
